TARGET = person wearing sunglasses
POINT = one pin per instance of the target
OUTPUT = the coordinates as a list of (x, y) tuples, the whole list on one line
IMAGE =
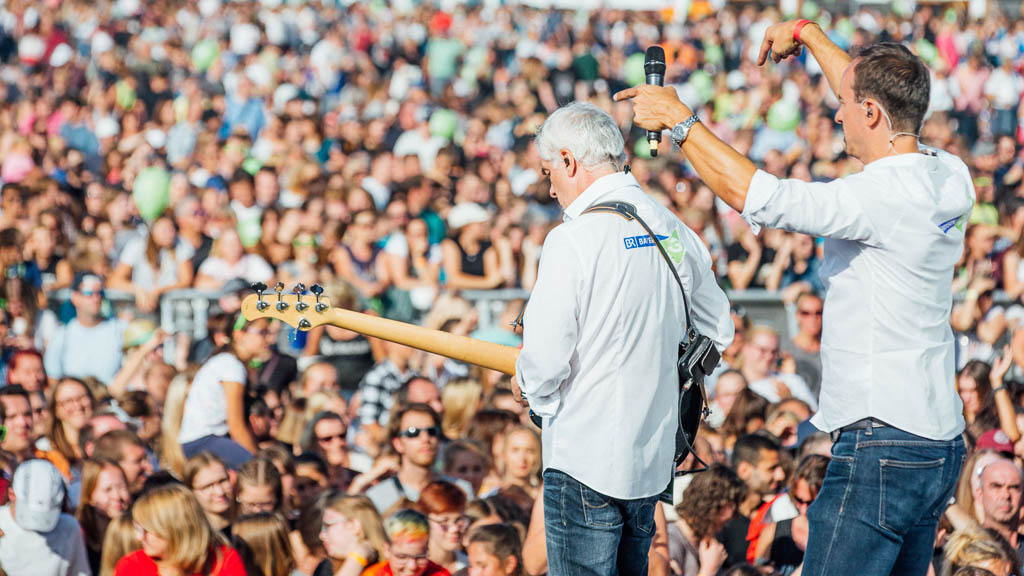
[(781, 543), (415, 434), (89, 345)]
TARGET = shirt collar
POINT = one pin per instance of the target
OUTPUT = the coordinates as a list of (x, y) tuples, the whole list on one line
[(597, 191)]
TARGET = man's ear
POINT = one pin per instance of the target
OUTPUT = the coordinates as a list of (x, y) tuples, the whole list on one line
[(569, 159), (509, 565), (743, 470)]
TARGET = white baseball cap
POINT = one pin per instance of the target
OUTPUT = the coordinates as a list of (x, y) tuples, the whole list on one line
[(467, 213), (39, 494)]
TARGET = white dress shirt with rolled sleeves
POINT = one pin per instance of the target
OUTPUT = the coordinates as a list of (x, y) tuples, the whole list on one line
[(602, 329), (893, 234)]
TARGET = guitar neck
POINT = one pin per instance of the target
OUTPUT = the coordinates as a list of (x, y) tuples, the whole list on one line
[(462, 348)]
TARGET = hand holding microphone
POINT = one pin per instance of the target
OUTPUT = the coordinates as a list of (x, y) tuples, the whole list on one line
[(654, 68)]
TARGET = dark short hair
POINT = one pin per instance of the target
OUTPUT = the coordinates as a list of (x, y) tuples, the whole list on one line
[(15, 390), (111, 445), (891, 74), (749, 448)]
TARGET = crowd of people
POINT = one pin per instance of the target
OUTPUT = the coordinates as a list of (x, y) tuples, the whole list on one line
[(386, 151)]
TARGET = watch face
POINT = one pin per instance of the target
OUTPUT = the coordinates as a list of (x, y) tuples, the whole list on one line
[(679, 132)]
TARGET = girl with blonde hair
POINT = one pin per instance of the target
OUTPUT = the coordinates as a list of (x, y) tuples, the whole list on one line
[(353, 534), (118, 542), (176, 538), (521, 459), (171, 454), (461, 399), (262, 540)]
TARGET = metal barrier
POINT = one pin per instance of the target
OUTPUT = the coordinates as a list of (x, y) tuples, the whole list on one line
[(189, 310)]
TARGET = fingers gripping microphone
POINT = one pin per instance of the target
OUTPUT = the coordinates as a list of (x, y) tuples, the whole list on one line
[(654, 68)]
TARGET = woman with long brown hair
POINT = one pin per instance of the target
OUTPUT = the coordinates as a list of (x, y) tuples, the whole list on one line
[(176, 538), (150, 266), (71, 405), (208, 479), (105, 496)]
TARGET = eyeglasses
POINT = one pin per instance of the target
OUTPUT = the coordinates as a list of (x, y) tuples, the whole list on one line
[(325, 526), (450, 524), (328, 439), (414, 432), (83, 399)]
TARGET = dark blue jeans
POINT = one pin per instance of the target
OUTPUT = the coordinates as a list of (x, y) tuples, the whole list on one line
[(590, 534), (878, 509)]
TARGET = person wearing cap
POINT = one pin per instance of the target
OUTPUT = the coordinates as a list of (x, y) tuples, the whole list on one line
[(38, 537), (89, 346), (467, 257)]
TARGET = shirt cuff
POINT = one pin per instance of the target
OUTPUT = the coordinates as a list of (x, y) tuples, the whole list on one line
[(762, 185)]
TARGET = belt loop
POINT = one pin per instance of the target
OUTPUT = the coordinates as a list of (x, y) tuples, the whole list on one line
[(869, 430), (835, 434)]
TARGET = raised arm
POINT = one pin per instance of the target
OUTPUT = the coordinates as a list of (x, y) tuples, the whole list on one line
[(727, 172), (779, 40)]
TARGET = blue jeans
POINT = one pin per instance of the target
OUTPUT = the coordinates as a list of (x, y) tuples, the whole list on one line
[(879, 506), (591, 534)]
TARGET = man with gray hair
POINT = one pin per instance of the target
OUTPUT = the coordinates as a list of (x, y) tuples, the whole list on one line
[(601, 338)]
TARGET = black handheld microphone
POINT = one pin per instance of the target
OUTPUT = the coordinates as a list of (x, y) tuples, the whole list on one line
[(654, 68)]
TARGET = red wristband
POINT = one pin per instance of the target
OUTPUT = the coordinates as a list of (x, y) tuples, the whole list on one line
[(799, 26)]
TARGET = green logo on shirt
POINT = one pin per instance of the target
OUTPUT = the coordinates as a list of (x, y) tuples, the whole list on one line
[(674, 247)]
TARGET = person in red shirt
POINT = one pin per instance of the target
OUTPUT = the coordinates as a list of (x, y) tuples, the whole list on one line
[(177, 540), (406, 553)]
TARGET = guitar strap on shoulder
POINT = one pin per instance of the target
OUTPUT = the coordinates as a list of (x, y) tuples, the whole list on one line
[(628, 211), (693, 352)]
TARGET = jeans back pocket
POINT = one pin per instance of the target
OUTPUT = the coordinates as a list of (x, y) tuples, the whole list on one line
[(910, 491)]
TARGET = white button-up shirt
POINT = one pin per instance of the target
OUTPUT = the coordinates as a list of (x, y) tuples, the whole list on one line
[(602, 330), (894, 233)]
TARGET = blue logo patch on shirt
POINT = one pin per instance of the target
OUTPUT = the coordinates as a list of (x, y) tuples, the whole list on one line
[(957, 223), (641, 241)]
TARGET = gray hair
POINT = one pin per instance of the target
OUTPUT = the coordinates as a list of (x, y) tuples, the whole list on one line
[(585, 130)]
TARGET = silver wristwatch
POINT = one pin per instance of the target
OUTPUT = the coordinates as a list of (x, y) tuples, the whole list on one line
[(682, 130)]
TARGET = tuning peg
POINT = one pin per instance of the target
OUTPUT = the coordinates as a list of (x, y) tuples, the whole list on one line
[(281, 304), (317, 291), (299, 289), (260, 288)]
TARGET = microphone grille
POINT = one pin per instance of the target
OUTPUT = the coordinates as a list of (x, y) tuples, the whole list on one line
[(654, 60)]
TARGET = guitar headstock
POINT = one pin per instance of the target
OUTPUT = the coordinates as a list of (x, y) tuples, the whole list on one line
[(298, 309)]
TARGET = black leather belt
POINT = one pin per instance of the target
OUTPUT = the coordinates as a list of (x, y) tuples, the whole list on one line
[(863, 424)]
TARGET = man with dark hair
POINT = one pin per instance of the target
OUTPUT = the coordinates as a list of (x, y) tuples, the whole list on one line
[(756, 458), (709, 502), (893, 235), (415, 434), (19, 443), (129, 451)]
